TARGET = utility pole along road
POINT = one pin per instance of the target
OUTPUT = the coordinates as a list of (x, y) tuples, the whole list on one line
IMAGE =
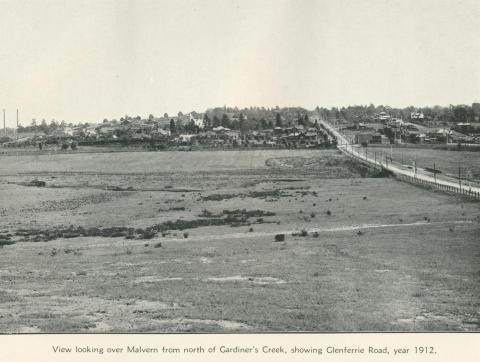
[(354, 151)]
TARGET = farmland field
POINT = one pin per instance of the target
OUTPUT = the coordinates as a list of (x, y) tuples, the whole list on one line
[(230, 241)]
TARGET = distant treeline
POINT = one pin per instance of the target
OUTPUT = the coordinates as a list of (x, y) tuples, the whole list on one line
[(257, 118), (43, 126)]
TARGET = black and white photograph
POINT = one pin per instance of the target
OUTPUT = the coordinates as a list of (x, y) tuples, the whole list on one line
[(239, 166)]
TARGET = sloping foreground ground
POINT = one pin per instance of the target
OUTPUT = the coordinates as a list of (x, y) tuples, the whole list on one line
[(110, 245)]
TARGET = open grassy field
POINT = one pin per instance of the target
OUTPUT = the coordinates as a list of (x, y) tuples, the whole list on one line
[(447, 161), (185, 241)]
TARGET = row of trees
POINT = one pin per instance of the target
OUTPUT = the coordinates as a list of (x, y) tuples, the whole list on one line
[(43, 126)]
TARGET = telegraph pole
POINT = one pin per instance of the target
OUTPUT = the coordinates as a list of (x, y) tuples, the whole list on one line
[(415, 165), (459, 179), (17, 124), (4, 126), (434, 173)]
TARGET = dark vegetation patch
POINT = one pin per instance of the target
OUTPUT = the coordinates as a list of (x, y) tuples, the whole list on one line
[(70, 204), (233, 218), (272, 194), (247, 213), (280, 237), (175, 208), (118, 188), (36, 183), (306, 193), (264, 194), (302, 233), (6, 240), (288, 180), (219, 197), (241, 217), (32, 183)]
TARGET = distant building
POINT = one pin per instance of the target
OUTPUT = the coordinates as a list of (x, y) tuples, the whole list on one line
[(68, 130), (365, 137), (383, 116), (415, 136), (444, 132), (380, 139), (220, 129), (417, 115), (185, 138), (198, 121), (371, 138), (233, 135)]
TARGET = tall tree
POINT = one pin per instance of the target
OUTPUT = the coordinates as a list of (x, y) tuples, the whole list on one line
[(461, 114), (173, 128), (278, 120), (263, 124), (306, 121), (207, 121), (244, 126), (226, 121), (43, 125)]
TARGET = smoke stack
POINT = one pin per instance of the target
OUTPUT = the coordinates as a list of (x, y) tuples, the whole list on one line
[(16, 130), (4, 126)]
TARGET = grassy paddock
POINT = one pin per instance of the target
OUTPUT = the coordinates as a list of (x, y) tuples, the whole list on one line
[(359, 254), (447, 161)]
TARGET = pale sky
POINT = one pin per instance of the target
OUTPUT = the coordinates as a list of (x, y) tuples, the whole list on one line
[(88, 60)]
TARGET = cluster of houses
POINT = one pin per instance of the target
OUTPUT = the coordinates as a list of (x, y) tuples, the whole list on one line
[(386, 129), (296, 136), (224, 128), (190, 130)]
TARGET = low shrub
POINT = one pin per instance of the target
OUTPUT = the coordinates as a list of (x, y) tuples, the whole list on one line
[(280, 237)]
